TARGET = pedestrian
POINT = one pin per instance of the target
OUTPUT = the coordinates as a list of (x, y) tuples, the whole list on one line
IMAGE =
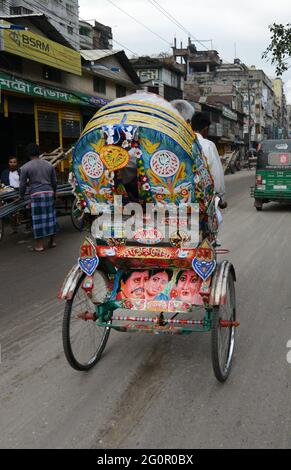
[(200, 125), (39, 177), (10, 176)]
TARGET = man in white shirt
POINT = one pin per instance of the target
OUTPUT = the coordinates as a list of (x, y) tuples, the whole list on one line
[(10, 176), (200, 125)]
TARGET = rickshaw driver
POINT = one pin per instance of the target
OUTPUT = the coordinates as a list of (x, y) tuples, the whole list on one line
[(187, 112)]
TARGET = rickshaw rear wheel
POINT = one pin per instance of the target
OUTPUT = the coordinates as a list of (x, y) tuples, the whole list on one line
[(83, 341), (223, 338), (1, 229), (76, 221)]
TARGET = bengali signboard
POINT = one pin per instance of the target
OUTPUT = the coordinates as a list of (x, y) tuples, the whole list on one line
[(11, 83)]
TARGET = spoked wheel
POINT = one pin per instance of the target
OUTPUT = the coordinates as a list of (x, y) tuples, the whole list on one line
[(223, 338), (83, 340), (76, 221), (1, 229)]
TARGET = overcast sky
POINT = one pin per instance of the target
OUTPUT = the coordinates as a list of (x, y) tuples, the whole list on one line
[(243, 26)]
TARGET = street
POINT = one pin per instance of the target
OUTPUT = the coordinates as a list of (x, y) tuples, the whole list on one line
[(149, 391)]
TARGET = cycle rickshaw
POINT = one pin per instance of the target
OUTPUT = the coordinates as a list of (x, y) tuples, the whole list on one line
[(150, 281)]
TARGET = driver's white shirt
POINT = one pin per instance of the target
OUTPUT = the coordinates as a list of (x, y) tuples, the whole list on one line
[(215, 166)]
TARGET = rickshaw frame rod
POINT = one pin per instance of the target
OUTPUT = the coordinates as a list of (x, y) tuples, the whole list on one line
[(156, 320)]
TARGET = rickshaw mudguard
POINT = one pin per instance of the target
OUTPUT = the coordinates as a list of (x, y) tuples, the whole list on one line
[(67, 290), (219, 283)]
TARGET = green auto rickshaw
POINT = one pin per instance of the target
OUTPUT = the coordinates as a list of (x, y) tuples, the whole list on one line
[(273, 172)]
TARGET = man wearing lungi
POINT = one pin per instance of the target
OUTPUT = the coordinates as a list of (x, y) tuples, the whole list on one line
[(39, 177)]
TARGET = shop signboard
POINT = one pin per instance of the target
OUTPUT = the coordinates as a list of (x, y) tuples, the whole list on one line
[(228, 113), (13, 84), (32, 46)]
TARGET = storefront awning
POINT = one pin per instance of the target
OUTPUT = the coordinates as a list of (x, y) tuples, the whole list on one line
[(33, 89)]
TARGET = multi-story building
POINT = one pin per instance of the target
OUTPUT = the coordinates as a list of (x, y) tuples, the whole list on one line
[(162, 76), (62, 14), (224, 106), (98, 36), (289, 120), (280, 100), (206, 68)]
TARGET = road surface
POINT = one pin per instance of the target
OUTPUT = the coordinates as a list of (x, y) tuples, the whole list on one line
[(147, 391)]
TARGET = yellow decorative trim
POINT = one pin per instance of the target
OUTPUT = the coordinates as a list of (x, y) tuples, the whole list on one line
[(97, 147), (147, 121), (148, 145)]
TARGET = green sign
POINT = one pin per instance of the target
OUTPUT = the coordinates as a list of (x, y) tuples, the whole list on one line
[(10, 83)]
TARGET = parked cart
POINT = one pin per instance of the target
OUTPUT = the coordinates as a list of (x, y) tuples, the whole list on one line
[(16, 212)]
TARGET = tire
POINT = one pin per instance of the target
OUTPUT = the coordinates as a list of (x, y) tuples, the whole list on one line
[(232, 168), (258, 205), (222, 360), (76, 221), (89, 335), (1, 229)]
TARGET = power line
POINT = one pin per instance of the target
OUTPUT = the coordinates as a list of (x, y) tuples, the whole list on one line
[(124, 47), (37, 9), (173, 20), (139, 22)]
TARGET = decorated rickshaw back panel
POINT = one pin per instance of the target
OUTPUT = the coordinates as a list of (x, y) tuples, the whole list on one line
[(155, 140)]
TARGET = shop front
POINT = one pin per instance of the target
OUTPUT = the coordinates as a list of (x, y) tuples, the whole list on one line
[(32, 112)]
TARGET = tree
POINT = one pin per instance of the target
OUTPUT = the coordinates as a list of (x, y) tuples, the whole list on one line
[(280, 47)]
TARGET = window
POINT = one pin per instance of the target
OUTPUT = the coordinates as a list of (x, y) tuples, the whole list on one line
[(10, 62), (99, 85), (85, 31), (19, 11), (51, 74), (70, 30), (69, 9), (120, 91)]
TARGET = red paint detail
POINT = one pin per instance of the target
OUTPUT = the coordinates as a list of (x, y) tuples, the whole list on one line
[(87, 316), (87, 251), (227, 323)]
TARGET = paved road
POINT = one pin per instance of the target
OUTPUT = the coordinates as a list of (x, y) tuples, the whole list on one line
[(150, 392)]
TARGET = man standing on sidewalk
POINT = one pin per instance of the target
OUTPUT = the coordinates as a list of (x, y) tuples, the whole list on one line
[(40, 178)]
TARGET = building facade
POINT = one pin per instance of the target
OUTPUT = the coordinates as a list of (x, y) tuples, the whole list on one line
[(289, 121), (264, 114), (62, 14), (98, 36), (162, 76), (282, 115)]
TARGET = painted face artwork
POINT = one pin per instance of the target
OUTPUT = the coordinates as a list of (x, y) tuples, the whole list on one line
[(187, 286), (156, 284), (134, 286)]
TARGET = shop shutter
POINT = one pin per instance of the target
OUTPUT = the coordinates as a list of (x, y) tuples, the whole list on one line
[(71, 126), (48, 122), (20, 105)]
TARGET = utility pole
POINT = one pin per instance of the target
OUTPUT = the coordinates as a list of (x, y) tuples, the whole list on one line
[(249, 120)]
